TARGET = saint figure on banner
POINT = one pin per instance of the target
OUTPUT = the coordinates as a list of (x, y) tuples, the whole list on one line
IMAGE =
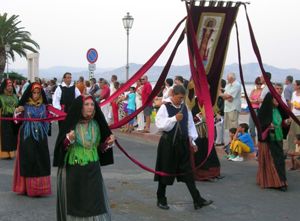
[(206, 38)]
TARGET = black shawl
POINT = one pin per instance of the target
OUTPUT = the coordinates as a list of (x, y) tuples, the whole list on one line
[(73, 117)]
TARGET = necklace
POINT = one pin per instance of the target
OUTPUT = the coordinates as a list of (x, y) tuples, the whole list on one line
[(87, 133)]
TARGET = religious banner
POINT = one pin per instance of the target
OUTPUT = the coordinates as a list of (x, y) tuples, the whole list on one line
[(213, 22)]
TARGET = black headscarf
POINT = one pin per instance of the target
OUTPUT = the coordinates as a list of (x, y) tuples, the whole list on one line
[(28, 94), (73, 117), (4, 84), (265, 113)]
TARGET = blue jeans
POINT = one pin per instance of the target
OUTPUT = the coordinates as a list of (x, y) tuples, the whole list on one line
[(252, 125), (131, 122)]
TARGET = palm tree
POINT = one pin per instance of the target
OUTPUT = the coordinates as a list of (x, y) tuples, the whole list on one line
[(16, 37)]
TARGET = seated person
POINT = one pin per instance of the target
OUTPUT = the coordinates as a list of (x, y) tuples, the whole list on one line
[(295, 156), (226, 148), (241, 143)]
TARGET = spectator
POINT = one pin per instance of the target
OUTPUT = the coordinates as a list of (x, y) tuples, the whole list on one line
[(232, 102), (295, 156), (232, 132), (178, 80), (130, 107), (254, 99), (114, 104), (94, 87), (294, 128), (167, 89), (138, 101), (265, 88), (87, 87), (146, 91), (80, 85), (241, 143), (104, 94), (288, 90), (112, 88), (220, 115)]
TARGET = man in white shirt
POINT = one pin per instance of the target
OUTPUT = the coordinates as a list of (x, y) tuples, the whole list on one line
[(173, 154), (65, 94), (232, 102)]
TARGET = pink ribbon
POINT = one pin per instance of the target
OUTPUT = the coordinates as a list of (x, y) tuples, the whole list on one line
[(143, 69)]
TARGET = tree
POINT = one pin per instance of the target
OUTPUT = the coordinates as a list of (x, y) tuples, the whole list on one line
[(18, 39)]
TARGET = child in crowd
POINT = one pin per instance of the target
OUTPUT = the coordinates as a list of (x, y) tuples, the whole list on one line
[(241, 143), (226, 148), (130, 107), (295, 156)]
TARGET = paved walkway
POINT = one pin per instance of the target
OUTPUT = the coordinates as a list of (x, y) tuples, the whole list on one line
[(132, 192)]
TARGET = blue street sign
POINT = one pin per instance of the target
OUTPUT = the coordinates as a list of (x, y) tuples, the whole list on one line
[(92, 55)]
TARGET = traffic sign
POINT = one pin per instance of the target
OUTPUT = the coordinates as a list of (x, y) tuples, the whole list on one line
[(92, 67), (92, 55)]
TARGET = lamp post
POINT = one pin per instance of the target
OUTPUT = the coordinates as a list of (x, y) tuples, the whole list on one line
[(7, 49), (127, 22)]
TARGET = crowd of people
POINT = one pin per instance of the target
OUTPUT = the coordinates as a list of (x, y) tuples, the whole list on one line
[(85, 141), (280, 133)]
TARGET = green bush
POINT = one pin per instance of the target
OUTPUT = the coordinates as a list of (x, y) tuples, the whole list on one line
[(13, 76)]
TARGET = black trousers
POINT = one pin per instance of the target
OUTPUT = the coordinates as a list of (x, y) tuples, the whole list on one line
[(161, 191)]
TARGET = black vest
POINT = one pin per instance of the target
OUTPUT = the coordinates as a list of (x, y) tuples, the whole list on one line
[(172, 111), (67, 96)]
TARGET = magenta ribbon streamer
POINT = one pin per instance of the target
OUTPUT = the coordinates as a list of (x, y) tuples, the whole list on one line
[(156, 88), (252, 112), (143, 69), (59, 115), (268, 82), (141, 165), (201, 83)]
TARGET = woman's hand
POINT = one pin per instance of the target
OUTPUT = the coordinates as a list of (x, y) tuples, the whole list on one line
[(111, 140), (71, 136), (193, 145), (19, 109)]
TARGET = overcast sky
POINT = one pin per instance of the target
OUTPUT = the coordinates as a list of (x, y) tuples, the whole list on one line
[(66, 29)]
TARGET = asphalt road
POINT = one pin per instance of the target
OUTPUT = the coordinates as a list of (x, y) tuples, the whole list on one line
[(132, 192)]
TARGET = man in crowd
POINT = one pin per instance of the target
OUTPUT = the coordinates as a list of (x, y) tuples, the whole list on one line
[(65, 94), (232, 102), (146, 91), (288, 90)]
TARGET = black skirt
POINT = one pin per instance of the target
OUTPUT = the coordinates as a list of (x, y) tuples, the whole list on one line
[(34, 156), (173, 158), (8, 135), (85, 195)]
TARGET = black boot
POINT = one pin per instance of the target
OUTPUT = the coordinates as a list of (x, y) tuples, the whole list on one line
[(201, 203), (162, 203)]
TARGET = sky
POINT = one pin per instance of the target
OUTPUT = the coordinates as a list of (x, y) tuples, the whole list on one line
[(66, 29)]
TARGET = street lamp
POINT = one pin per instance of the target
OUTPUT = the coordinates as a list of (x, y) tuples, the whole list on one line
[(7, 49), (127, 22)]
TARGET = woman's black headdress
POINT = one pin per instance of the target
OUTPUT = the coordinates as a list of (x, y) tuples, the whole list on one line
[(72, 119), (28, 94), (4, 84)]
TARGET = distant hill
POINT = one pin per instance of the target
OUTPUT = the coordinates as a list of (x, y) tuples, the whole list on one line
[(250, 70)]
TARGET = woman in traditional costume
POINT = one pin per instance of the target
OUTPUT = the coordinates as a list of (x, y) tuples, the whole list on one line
[(33, 169), (210, 167), (82, 146), (271, 164), (8, 130)]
